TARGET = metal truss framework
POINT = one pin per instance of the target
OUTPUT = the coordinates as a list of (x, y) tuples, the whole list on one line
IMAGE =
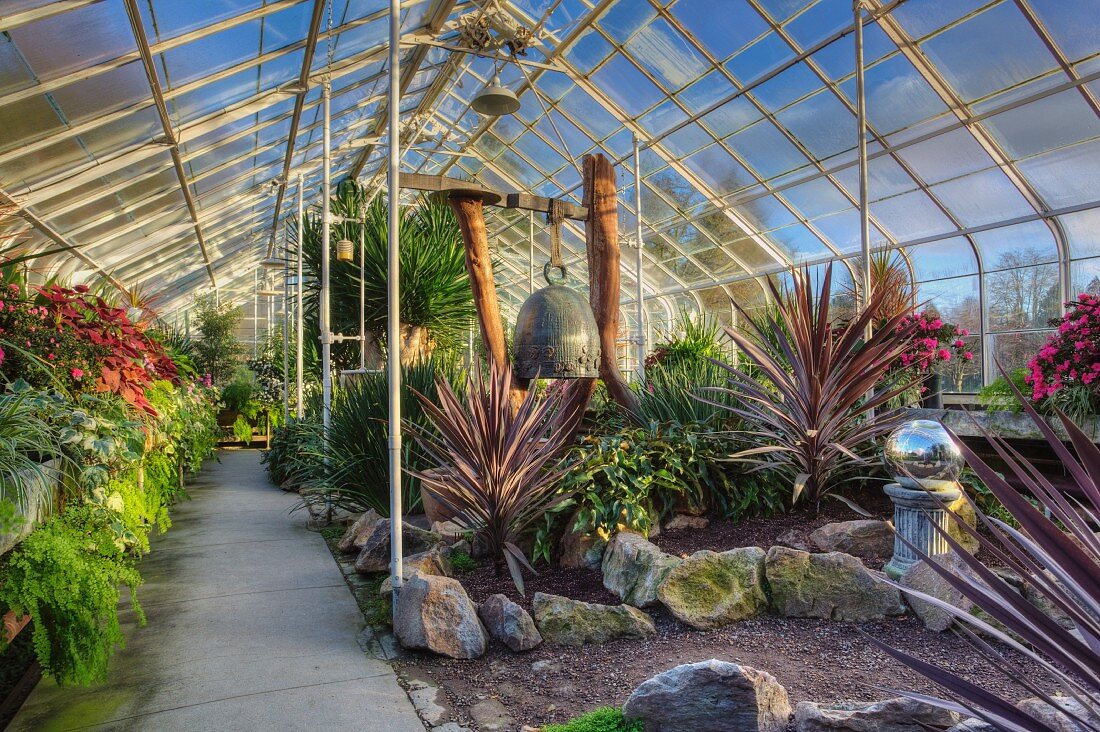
[(142, 237)]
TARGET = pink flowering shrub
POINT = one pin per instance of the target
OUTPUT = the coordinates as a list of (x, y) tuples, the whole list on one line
[(1071, 356), (932, 341)]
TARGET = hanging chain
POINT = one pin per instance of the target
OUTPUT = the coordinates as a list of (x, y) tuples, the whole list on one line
[(331, 48)]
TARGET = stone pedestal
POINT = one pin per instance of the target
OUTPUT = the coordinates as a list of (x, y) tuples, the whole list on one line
[(916, 514)]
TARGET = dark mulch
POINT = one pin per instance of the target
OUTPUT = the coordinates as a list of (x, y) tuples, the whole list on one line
[(764, 532), (816, 660)]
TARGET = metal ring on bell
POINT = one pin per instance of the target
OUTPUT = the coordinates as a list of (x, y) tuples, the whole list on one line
[(345, 250)]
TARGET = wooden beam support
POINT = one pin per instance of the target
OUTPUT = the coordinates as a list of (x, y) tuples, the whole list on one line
[(602, 243), (524, 201)]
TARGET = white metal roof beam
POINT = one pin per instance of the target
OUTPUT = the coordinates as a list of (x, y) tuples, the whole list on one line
[(58, 239), (437, 18), (296, 116), (49, 85), (11, 21), (138, 28)]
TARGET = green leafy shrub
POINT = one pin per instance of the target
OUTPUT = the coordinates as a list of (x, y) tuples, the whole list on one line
[(669, 393), (66, 576), (693, 338), (217, 348), (242, 430), (999, 396), (604, 719), (295, 453), (635, 477), (462, 562)]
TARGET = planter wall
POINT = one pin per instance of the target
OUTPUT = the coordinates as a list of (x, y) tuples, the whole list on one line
[(1012, 425), (43, 493)]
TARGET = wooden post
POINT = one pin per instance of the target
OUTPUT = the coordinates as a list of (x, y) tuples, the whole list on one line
[(602, 242), (469, 210)]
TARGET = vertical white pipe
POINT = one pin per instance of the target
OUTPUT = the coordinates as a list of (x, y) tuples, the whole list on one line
[(256, 313), (393, 316), (326, 230), (299, 356), (861, 126), (362, 288), (639, 304), (286, 324)]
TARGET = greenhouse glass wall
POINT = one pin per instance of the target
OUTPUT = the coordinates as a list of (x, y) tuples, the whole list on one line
[(159, 143)]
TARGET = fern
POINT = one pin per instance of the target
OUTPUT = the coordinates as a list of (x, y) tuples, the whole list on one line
[(66, 576)]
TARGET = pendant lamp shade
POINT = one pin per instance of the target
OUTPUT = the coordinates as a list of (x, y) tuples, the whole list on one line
[(495, 100)]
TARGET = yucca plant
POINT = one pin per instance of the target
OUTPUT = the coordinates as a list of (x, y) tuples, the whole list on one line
[(436, 300), (497, 471), (815, 394), (1057, 553)]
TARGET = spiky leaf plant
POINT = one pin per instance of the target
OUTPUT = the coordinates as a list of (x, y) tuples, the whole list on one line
[(814, 395), (1057, 553), (436, 300), (496, 470)]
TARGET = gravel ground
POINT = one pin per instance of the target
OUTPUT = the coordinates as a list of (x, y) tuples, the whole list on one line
[(816, 660)]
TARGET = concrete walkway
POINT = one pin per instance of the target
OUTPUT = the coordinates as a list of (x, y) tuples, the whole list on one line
[(251, 627)]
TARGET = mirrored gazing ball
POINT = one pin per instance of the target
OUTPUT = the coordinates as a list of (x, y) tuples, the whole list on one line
[(924, 450)]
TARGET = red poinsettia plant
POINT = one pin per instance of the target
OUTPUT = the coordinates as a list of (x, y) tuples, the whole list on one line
[(86, 344), (1071, 355), (931, 341)]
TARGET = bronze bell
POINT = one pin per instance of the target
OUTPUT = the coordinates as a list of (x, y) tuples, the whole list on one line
[(556, 335)]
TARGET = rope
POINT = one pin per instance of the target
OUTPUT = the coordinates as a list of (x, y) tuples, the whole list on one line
[(554, 217)]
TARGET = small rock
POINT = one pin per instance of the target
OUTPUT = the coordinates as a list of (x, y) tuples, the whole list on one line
[(922, 578), (794, 539), (545, 666), (865, 537), (435, 614), (710, 696), (680, 521), (509, 623), (575, 623), (833, 586), (892, 715), (426, 701), (633, 568), (357, 533), (449, 532), (1055, 719), (432, 562), (710, 589), (374, 556), (491, 716), (580, 548)]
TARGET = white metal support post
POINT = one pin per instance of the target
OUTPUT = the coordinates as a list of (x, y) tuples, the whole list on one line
[(393, 318), (639, 304), (286, 325), (363, 288), (299, 356), (861, 126), (326, 230)]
